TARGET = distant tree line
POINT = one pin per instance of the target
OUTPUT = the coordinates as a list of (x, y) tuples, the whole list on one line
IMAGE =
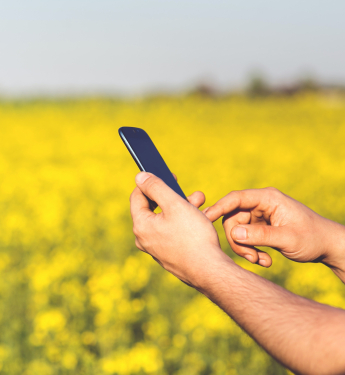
[(258, 86)]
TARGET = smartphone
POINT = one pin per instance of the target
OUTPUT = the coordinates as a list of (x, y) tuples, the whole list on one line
[(147, 157)]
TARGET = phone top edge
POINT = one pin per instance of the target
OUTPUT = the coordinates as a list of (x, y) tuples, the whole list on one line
[(129, 148), (123, 128)]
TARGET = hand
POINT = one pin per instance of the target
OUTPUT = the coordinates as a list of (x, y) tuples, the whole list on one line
[(267, 217), (181, 238)]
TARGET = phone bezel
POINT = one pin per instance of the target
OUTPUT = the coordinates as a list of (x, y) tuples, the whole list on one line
[(138, 132)]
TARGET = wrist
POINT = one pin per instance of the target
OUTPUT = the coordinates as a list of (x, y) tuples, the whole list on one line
[(217, 274), (334, 256)]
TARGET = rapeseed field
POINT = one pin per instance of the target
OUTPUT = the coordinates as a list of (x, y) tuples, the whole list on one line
[(77, 297)]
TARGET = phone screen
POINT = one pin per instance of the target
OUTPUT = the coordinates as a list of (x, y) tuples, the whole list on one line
[(147, 157)]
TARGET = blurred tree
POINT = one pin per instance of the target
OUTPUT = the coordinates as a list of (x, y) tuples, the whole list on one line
[(258, 85), (309, 83)]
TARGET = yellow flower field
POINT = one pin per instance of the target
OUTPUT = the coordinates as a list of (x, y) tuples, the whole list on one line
[(77, 297)]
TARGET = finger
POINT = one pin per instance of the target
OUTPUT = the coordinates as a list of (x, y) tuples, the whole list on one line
[(155, 189), (264, 259), (262, 235), (246, 251), (244, 200), (197, 199), (139, 204)]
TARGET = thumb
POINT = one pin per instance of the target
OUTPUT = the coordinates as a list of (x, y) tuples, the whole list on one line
[(156, 190), (261, 235)]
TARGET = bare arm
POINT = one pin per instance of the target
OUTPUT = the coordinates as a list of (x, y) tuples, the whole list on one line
[(305, 336)]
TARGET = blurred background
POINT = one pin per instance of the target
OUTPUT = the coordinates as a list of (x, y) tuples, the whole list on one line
[(234, 94)]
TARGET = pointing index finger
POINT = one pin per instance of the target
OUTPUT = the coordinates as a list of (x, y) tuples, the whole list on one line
[(225, 205), (242, 199)]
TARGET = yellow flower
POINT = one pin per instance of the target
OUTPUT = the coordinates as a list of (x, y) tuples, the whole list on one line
[(76, 295)]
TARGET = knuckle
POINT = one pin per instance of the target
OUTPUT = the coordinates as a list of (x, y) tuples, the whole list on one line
[(182, 205), (232, 192), (264, 233), (235, 194), (272, 190), (136, 230), (273, 193), (153, 184)]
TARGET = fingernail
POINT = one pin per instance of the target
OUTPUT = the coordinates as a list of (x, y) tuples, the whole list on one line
[(240, 233), (141, 177), (249, 257)]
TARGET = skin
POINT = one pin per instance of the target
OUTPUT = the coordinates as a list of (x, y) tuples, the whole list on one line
[(305, 336), (267, 217)]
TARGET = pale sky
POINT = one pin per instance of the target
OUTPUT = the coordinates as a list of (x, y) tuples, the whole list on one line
[(136, 46)]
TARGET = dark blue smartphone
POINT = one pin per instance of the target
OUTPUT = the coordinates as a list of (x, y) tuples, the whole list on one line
[(147, 157)]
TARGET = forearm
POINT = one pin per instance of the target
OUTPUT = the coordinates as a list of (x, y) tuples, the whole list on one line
[(305, 336)]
